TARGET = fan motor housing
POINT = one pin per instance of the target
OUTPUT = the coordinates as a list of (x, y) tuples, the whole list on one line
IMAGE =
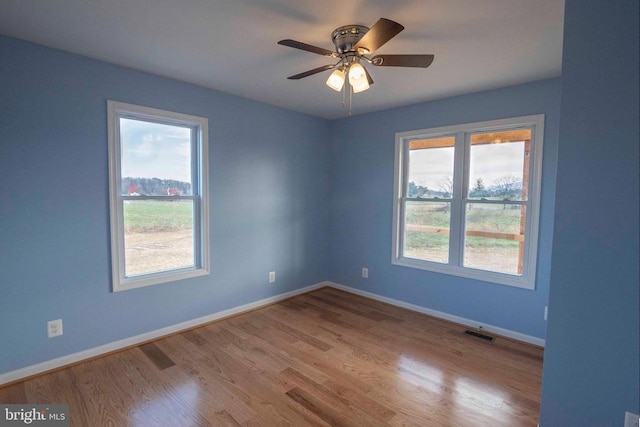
[(345, 37)]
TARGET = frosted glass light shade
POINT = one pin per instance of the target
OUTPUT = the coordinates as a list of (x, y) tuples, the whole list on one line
[(358, 78), (336, 80)]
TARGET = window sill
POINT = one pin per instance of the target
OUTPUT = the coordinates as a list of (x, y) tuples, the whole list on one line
[(128, 283), (521, 282)]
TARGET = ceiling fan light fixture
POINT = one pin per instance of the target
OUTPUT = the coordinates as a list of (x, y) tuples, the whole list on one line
[(358, 78), (352, 44), (336, 80)]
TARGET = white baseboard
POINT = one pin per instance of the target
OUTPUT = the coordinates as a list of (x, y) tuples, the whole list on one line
[(69, 359), (442, 315)]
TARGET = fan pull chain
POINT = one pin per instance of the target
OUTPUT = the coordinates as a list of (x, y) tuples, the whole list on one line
[(350, 99), (344, 95)]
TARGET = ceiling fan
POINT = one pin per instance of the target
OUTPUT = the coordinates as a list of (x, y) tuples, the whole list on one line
[(353, 44)]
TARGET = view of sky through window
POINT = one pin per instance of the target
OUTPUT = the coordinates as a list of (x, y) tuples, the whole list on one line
[(493, 162), (431, 166), (155, 150)]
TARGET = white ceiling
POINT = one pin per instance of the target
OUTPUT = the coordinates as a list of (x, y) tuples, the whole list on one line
[(231, 45)]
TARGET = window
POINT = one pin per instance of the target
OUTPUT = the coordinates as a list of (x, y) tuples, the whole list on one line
[(158, 195), (466, 200)]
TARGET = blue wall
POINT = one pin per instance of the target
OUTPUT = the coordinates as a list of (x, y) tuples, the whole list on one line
[(268, 172), (362, 160), (272, 172), (592, 360)]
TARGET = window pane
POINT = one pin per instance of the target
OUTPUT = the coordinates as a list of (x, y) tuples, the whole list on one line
[(494, 237), (431, 168), (158, 235), (426, 231), (156, 158), (499, 165)]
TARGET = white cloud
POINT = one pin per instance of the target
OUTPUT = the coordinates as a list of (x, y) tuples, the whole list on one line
[(154, 150)]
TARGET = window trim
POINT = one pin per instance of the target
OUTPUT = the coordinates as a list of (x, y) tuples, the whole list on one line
[(460, 199), (200, 177)]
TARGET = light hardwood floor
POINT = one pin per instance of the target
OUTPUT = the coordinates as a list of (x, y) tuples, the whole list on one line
[(324, 358)]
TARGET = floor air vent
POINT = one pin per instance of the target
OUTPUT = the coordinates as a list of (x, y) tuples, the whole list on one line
[(480, 335)]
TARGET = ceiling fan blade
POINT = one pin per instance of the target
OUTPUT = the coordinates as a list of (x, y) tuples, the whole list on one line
[(307, 47), (312, 72), (381, 32), (421, 61)]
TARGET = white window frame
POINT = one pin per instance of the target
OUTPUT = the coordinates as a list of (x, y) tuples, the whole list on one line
[(458, 204), (115, 111)]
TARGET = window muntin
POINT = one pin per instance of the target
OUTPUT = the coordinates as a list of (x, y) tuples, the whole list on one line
[(158, 182), (492, 195)]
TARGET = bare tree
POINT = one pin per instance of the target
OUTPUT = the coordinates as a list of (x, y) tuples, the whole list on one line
[(446, 186), (508, 187)]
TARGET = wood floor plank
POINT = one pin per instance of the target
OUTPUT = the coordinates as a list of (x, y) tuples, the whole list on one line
[(323, 358), (302, 336), (321, 409), (213, 385), (250, 386), (160, 359), (351, 406), (444, 349), (13, 394)]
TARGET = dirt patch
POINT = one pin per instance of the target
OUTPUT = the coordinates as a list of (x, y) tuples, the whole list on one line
[(503, 260), (158, 251)]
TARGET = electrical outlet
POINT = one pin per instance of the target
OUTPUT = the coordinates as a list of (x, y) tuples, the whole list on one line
[(272, 276), (365, 272), (54, 328), (631, 420)]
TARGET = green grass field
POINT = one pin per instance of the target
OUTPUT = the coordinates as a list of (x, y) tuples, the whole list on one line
[(489, 218), (154, 215), (429, 240)]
